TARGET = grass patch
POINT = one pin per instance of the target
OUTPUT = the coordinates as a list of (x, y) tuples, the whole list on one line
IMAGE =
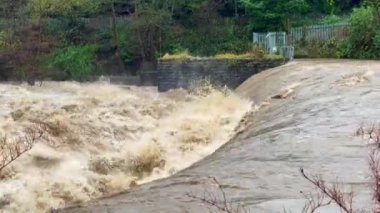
[(223, 56), (177, 56), (248, 55)]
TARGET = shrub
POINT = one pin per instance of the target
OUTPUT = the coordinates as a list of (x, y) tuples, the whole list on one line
[(3, 39), (55, 26), (363, 41), (330, 49), (362, 32), (311, 49), (6, 42), (129, 48), (77, 62)]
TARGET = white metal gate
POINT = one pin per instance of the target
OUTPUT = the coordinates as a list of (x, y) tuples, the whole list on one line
[(274, 43)]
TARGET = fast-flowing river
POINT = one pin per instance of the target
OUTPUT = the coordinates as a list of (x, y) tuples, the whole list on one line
[(99, 139), (103, 140), (313, 126)]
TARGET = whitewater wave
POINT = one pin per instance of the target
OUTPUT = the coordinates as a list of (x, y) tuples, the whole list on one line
[(101, 139)]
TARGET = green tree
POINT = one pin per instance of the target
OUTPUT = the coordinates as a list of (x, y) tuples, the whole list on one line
[(42, 8), (275, 14), (375, 5), (75, 62)]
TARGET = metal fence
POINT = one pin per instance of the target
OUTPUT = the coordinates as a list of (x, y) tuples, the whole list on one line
[(274, 43), (260, 40), (270, 42), (281, 43), (319, 33)]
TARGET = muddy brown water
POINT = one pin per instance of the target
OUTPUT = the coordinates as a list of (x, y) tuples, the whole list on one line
[(311, 128)]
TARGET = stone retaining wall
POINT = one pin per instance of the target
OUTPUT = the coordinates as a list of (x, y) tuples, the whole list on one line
[(230, 72)]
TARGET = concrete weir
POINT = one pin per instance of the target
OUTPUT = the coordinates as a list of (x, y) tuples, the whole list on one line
[(259, 168)]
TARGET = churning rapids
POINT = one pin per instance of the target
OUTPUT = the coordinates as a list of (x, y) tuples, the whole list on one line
[(101, 139), (317, 107)]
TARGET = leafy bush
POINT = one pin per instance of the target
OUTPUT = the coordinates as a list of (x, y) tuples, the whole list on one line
[(129, 48), (6, 42), (55, 27), (330, 49), (362, 33), (3, 39), (363, 41), (41, 8), (77, 62), (343, 50), (310, 49)]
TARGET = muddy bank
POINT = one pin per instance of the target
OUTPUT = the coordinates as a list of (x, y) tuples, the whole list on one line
[(312, 126)]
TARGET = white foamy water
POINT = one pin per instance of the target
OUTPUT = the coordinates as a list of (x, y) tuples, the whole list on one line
[(101, 139)]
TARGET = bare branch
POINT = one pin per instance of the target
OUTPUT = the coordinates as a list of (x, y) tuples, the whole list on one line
[(314, 203), (334, 192), (12, 149), (212, 200)]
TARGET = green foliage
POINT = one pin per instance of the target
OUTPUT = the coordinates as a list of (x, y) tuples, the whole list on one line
[(329, 49), (43, 8), (274, 15), (3, 39), (130, 34), (76, 62), (209, 39), (128, 45), (363, 41), (362, 32), (334, 48), (332, 6), (174, 48), (332, 19), (6, 42), (69, 30), (376, 40), (307, 50), (329, 6)]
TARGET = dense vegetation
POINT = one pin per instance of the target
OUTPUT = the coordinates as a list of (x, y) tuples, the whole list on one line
[(75, 39)]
